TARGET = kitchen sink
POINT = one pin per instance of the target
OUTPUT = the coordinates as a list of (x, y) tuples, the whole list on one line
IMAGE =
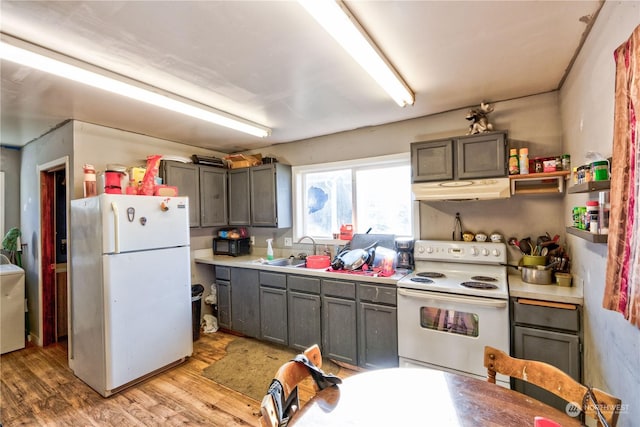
[(286, 262)]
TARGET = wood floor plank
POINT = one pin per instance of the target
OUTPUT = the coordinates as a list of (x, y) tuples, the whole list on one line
[(37, 388)]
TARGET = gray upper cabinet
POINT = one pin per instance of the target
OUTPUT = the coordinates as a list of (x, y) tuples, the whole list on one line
[(464, 157), (239, 197), (206, 188), (260, 196), (271, 195), (213, 197), (432, 160), (185, 176)]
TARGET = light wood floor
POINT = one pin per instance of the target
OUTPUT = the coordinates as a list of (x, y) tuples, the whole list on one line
[(39, 389)]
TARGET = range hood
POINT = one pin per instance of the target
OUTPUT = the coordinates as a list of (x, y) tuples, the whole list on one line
[(473, 189)]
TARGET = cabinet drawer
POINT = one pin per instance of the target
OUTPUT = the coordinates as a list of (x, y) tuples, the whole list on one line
[(223, 273), (375, 293), (274, 280), (339, 288), (304, 284), (530, 313)]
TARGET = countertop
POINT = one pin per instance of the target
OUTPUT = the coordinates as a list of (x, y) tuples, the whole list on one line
[(568, 294), (517, 288), (206, 256)]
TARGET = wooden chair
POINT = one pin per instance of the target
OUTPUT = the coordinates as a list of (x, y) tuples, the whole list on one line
[(553, 380), (289, 375)]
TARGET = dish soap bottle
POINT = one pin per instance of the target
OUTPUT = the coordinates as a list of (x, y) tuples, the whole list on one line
[(269, 250)]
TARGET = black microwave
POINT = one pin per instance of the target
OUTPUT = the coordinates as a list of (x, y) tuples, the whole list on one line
[(233, 247)]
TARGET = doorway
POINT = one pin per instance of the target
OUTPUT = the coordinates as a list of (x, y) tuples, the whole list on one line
[(53, 245)]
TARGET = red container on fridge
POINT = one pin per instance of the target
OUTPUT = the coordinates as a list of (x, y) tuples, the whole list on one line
[(346, 231), (112, 182)]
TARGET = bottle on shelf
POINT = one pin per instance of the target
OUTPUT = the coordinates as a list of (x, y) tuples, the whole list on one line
[(592, 217), (514, 167), (524, 161)]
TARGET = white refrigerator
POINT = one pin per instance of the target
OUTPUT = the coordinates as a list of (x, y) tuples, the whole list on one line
[(130, 296)]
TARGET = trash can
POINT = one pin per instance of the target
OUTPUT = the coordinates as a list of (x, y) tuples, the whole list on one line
[(196, 307)]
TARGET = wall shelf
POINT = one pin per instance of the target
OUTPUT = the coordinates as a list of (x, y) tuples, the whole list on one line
[(545, 183), (586, 235), (588, 187)]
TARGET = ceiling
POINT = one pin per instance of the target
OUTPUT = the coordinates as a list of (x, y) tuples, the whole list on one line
[(271, 63)]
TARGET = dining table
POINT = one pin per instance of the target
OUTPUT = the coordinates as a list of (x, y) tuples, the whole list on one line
[(423, 397)]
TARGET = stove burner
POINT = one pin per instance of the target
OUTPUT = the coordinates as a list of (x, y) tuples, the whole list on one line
[(421, 280), (484, 278), (430, 274), (479, 285)]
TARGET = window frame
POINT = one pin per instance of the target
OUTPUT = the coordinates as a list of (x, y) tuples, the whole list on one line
[(298, 172)]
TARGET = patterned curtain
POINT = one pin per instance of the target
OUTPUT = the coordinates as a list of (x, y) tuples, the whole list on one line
[(622, 290)]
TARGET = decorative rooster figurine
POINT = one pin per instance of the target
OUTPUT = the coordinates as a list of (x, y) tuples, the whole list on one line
[(478, 118)]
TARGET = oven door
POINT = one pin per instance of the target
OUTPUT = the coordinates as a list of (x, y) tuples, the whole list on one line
[(449, 331)]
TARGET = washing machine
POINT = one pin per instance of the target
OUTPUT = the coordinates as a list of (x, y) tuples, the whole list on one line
[(11, 308)]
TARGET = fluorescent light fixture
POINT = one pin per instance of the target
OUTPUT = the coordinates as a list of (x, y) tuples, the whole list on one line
[(343, 26), (59, 65)]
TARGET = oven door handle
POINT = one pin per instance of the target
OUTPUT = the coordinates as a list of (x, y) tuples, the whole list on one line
[(459, 299)]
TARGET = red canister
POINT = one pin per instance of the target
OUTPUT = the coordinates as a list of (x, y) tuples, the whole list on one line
[(112, 182), (346, 231)]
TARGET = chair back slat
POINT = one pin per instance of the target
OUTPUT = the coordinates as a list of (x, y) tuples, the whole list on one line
[(552, 379)]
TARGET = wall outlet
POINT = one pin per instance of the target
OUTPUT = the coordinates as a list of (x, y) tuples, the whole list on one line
[(252, 240), (288, 242)]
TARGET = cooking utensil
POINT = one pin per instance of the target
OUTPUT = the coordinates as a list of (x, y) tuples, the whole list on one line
[(457, 228), (354, 259), (534, 274), (525, 245)]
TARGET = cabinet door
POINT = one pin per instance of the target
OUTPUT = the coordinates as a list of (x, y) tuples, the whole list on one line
[(263, 196), (213, 197), (239, 197), (304, 320), (432, 161), (273, 315), (482, 156), (224, 303), (245, 301), (185, 176), (559, 349), (339, 340), (377, 336)]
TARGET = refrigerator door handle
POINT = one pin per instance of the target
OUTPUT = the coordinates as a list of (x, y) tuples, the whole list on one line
[(116, 226)]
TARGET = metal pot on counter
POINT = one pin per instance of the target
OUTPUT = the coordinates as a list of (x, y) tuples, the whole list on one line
[(536, 274)]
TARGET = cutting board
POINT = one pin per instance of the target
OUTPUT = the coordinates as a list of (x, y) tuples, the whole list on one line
[(361, 241)]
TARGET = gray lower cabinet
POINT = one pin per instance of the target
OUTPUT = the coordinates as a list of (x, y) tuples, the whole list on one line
[(304, 311), (353, 322), (245, 301), (550, 333), (273, 307), (377, 326), (339, 320), (223, 292)]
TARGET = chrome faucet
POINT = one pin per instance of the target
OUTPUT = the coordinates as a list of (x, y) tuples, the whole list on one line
[(310, 238)]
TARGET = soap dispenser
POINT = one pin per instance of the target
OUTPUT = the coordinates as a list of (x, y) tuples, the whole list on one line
[(269, 250)]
